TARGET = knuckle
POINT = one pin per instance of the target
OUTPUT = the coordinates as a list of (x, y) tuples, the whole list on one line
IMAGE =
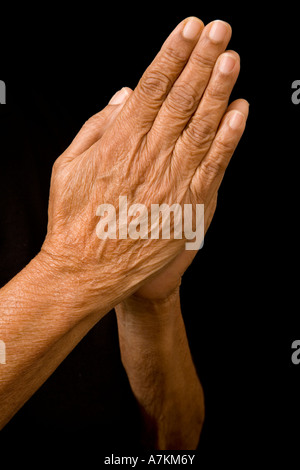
[(200, 132), (182, 98), (94, 121), (155, 83), (56, 164), (56, 167), (218, 91), (211, 168), (174, 56), (224, 147), (205, 61)]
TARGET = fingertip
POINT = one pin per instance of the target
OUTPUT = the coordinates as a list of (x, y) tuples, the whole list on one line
[(218, 31), (120, 96), (241, 105), (128, 90), (233, 53), (192, 28), (236, 120)]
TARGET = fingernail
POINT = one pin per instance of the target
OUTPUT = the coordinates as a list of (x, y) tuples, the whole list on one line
[(192, 28), (227, 63), (119, 97), (218, 31), (236, 120)]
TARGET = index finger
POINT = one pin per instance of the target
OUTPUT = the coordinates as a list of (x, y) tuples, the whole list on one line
[(159, 77)]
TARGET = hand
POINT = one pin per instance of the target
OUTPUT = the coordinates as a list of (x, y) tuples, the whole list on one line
[(164, 283), (167, 281), (38, 303), (171, 143)]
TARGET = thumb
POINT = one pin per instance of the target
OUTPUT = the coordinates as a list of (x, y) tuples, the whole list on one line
[(94, 128)]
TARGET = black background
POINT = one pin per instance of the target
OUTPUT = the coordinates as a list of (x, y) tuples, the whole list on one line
[(239, 297)]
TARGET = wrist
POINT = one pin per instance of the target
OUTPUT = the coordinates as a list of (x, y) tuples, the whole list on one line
[(152, 311), (47, 285), (66, 288), (149, 321)]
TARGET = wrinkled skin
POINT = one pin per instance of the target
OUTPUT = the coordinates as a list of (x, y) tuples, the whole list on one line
[(171, 142)]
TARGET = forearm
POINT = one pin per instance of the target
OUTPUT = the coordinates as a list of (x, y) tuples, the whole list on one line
[(42, 318), (158, 362)]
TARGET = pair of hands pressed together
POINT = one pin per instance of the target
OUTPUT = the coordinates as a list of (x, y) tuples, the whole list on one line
[(168, 141)]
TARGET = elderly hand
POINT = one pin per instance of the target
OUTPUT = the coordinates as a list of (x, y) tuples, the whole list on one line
[(171, 143)]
